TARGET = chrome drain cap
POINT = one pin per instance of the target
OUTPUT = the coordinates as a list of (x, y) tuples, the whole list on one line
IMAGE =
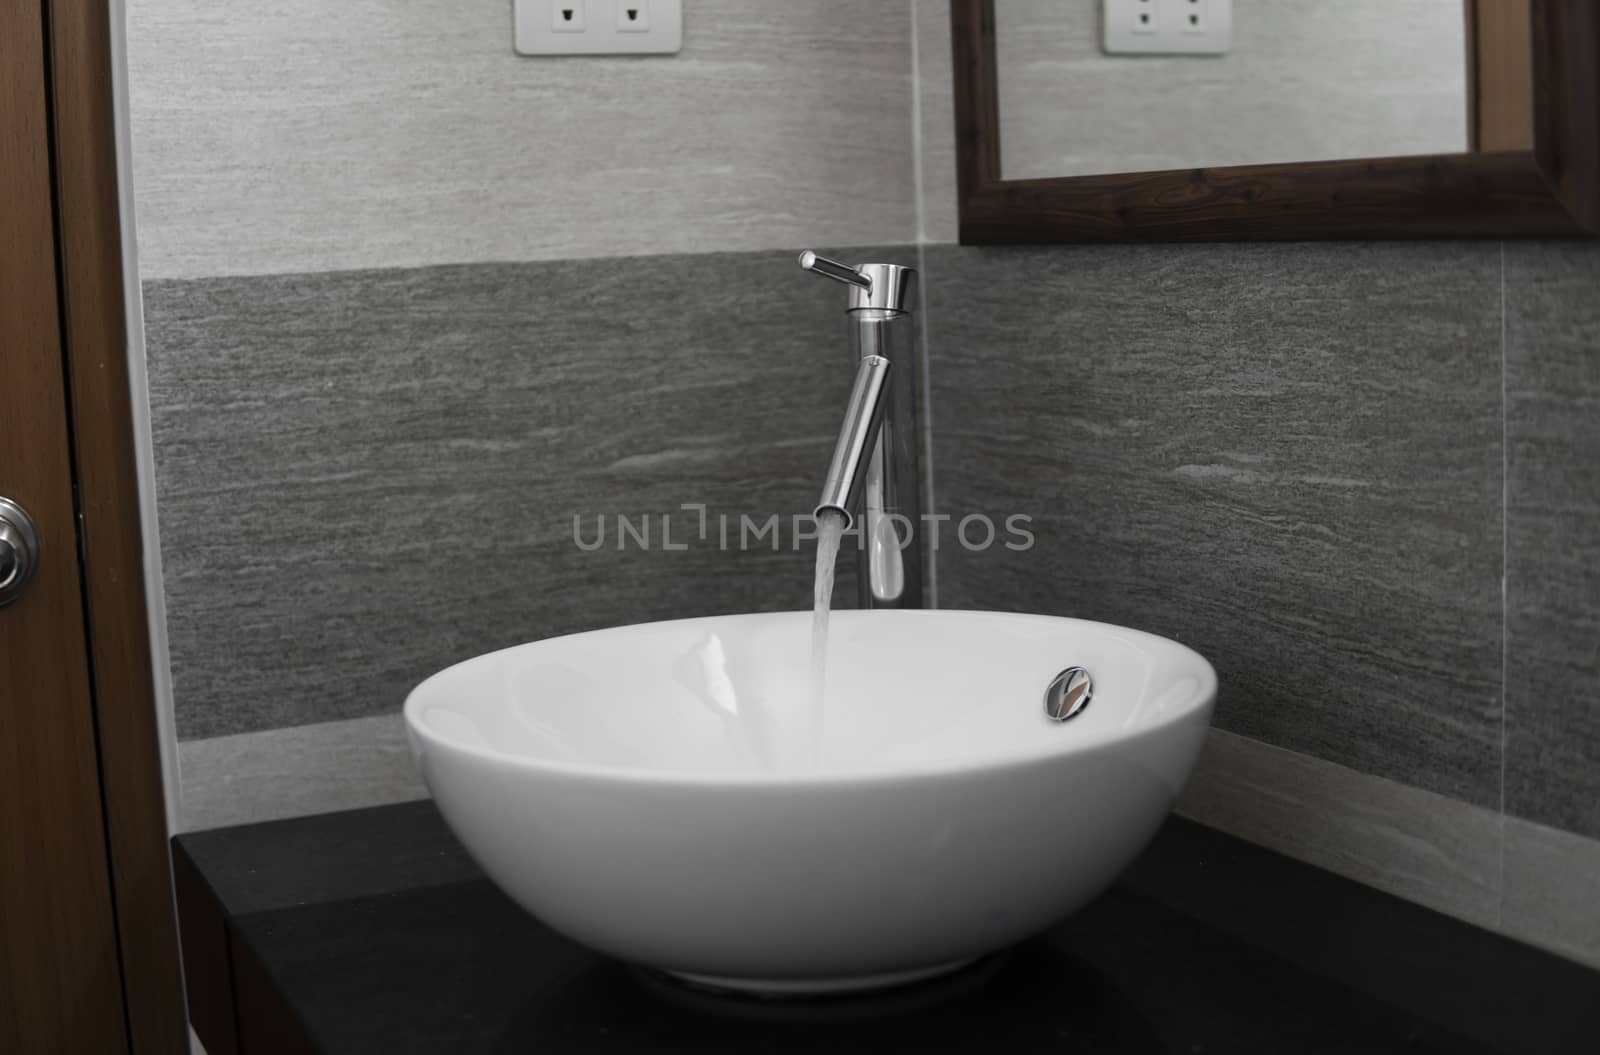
[(1068, 694)]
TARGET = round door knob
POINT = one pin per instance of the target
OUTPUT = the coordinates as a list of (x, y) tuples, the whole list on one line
[(19, 550)]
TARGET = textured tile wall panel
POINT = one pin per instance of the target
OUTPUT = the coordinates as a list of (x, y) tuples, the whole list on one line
[(365, 476), (1286, 456), (1553, 534)]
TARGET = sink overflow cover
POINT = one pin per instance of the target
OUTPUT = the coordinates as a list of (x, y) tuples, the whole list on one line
[(1068, 694)]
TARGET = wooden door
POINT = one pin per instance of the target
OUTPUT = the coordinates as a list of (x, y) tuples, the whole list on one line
[(60, 977)]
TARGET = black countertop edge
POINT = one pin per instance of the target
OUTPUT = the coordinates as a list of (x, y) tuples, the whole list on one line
[(371, 930), (1514, 996)]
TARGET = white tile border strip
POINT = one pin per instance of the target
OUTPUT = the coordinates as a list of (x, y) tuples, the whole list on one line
[(1552, 890), (296, 771), (1419, 845)]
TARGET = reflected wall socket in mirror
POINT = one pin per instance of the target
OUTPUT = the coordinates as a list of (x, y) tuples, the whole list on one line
[(597, 27), (1167, 27)]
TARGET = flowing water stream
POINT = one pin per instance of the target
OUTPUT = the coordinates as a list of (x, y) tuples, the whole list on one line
[(830, 529)]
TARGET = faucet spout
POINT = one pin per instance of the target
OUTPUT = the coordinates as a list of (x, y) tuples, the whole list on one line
[(875, 475), (858, 436)]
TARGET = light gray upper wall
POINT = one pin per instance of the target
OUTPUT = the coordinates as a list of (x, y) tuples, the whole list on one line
[(936, 134), (303, 135), (1305, 80)]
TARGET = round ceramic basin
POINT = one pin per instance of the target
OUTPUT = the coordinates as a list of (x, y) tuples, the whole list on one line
[(676, 794)]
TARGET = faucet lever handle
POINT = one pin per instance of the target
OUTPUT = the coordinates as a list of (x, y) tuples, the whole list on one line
[(834, 270)]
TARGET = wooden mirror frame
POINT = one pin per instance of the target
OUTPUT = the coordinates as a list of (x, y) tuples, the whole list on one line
[(1548, 187)]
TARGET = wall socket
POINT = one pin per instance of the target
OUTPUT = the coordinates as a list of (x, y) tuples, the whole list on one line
[(597, 27), (1167, 27)]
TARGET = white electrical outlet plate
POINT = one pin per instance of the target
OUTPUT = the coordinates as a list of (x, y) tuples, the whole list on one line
[(1167, 27), (597, 27)]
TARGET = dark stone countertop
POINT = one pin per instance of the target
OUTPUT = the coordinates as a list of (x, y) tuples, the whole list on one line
[(371, 931)]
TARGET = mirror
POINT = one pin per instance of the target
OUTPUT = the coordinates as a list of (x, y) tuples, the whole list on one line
[(1088, 87), (1221, 120)]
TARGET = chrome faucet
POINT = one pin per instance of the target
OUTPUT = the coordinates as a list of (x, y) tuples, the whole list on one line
[(875, 463)]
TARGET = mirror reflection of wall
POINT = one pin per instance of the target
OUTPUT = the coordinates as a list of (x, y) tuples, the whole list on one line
[(1303, 80)]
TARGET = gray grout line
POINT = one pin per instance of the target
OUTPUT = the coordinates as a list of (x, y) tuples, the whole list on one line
[(147, 282), (916, 130), (925, 353)]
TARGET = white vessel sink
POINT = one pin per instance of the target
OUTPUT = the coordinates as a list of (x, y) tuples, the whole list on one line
[(662, 792)]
